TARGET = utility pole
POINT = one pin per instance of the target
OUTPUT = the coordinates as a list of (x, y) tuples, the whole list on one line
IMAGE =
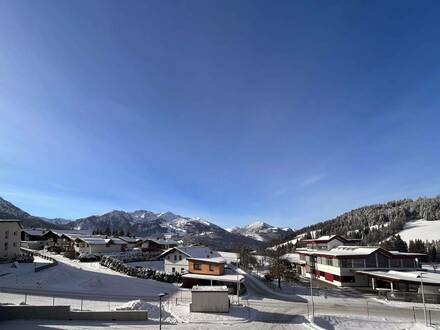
[(161, 295)]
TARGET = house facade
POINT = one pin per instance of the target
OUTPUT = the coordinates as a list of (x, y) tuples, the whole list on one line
[(98, 245), (177, 259), (214, 266), (10, 237), (332, 261)]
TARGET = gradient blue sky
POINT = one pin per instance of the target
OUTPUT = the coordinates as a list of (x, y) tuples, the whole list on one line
[(286, 111)]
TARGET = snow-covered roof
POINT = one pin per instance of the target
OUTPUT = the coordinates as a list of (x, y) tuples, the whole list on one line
[(428, 277), (130, 239), (291, 257), (210, 288), (194, 252), (118, 241), (34, 232), (165, 241), (348, 250), (73, 233), (233, 278), (100, 240), (217, 260)]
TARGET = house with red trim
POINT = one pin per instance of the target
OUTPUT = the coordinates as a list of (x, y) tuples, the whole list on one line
[(341, 265)]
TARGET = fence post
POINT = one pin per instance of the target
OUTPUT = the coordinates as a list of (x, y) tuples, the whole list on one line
[(53, 301), (414, 312), (430, 321), (25, 298), (368, 313), (308, 312), (82, 303)]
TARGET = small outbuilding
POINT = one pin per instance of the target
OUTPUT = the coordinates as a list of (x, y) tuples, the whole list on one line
[(211, 299)]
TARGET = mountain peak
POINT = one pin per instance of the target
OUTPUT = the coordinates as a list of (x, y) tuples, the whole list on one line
[(258, 225)]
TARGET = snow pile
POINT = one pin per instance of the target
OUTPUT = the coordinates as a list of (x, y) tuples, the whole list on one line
[(152, 309), (357, 322)]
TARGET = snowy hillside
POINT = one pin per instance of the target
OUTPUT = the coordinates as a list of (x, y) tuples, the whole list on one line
[(261, 231), (421, 229)]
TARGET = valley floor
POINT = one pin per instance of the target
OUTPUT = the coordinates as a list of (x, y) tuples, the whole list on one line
[(260, 308)]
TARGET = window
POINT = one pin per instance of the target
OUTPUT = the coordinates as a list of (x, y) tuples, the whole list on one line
[(168, 257), (180, 257), (173, 270), (346, 263), (182, 270), (6, 245), (395, 263), (15, 233), (347, 279), (408, 263), (358, 263), (175, 258), (329, 262), (6, 234), (211, 268), (197, 266), (14, 244)]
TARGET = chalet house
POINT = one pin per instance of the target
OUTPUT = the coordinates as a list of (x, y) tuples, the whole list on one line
[(98, 245), (328, 242), (132, 242), (149, 244), (33, 239), (10, 235), (179, 259), (32, 234)]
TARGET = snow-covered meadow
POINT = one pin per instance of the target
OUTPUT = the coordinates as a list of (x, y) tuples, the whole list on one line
[(421, 229)]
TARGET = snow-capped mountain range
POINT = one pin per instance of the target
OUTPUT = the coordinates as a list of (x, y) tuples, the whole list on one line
[(261, 231), (146, 223)]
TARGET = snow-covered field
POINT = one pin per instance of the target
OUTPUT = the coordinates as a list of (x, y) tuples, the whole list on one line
[(73, 277), (421, 229)]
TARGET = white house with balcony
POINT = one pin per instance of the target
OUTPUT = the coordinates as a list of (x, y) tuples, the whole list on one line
[(176, 258), (341, 265)]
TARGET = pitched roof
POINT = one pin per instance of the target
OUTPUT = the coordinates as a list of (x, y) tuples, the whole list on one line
[(130, 239), (347, 250), (215, 260), (34, 232), (194, 252)]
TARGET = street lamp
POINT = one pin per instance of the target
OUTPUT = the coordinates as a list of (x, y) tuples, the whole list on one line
[(161, 295), (423, 298)]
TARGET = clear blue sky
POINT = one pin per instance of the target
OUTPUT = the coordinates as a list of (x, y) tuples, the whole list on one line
[(287, 111)]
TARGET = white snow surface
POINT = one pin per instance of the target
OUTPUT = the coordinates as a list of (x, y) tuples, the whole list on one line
[(421, 229), (71, 276)]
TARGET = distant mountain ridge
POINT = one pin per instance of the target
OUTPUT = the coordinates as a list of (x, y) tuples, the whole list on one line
[(261, 231), (146, 223), (10, 211)]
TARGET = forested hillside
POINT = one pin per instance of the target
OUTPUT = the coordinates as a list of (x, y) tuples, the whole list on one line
[(375, 223)]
